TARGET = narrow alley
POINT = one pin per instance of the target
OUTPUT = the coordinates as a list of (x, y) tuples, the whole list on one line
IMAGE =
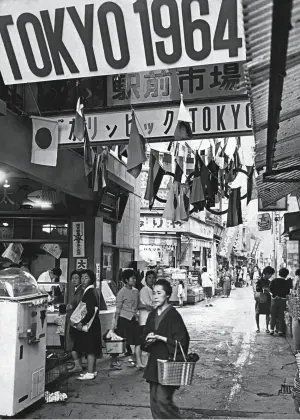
[(239, 373)]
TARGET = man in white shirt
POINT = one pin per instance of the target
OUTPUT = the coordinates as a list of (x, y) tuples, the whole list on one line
[(207, 286), (146, 299), (50, 276)]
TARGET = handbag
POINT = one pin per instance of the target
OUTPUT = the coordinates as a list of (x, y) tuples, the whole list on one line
[(172, 373), (79, 313), (260, 297)]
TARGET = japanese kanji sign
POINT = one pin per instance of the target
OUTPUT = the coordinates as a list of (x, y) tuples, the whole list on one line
[(81, 264), (156, 123), (158, 224), (220, 80), (78, 239), (54, 40)]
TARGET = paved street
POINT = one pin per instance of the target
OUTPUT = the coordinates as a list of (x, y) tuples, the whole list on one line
[(239, 373)]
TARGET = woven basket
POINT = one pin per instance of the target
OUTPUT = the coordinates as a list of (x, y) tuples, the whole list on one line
[(172, 373)]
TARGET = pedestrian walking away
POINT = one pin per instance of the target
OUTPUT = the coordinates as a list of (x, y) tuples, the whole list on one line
[(263, 297), (207, 286), (280, 287), (163, 328)]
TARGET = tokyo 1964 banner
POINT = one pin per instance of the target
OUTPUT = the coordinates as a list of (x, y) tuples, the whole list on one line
[(50, 40)]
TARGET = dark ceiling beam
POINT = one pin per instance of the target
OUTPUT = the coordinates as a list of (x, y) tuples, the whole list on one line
[(68, 175), (281, 25)]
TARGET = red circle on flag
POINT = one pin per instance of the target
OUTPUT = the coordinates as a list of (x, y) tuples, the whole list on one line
[(43, 138)]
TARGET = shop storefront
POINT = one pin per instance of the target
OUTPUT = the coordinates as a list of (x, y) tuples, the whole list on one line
[(42, 228)]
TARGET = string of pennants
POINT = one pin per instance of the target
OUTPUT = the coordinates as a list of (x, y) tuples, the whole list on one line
[(212, 175)]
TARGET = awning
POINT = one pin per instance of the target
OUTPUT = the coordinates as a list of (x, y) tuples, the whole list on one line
[(272, 31)]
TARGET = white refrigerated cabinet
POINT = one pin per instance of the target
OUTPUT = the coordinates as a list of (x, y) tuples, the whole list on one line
[(23, 326)]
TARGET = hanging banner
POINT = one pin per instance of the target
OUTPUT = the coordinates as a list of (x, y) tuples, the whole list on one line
[(156, 223), (228, 241), (213, 81), (209, 120), (78, 239), (73, 39)]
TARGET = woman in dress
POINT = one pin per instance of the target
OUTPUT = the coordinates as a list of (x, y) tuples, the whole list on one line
[(263, 303), (78, 292), (90, 342), (163, 328), (126, 317)]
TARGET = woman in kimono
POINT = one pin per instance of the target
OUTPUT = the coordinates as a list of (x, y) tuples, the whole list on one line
[(76, 282), (163, 328)]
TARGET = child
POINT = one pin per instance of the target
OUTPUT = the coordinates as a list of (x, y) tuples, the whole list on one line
[(61, 321)]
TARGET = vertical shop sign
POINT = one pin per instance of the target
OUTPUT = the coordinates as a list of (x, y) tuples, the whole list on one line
[(98, 272), (78, 239)]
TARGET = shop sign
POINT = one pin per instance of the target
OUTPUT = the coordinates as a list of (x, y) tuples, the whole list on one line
[(81, 264), (212, 81), (78, 239), (218, 119), (264, 221), (74, 39), (227, 242), (98, 271), (53, 249), (159, 224), (280, 205)]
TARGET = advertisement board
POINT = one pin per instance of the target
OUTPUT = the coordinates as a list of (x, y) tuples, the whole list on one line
[(160, 123), (55, 40), (264, 221)]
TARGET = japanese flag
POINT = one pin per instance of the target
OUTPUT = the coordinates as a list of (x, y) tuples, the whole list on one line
[(44, 141), (183, 130)]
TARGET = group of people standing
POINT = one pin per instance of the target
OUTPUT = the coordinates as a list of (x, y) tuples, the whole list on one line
[(144, 318), (271, 297)]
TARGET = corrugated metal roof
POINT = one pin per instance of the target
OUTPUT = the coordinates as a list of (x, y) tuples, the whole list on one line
[(258, 21)]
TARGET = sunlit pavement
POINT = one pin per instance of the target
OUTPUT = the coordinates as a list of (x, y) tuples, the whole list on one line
[(239, 373)]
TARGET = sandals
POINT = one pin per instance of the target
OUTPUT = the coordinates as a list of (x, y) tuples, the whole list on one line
[(116, 366)]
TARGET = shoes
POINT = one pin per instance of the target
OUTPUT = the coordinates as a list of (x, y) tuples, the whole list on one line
[(210, 304), (267, 331), (271, 332), (258, 330), (86, 377), (206, 306)]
